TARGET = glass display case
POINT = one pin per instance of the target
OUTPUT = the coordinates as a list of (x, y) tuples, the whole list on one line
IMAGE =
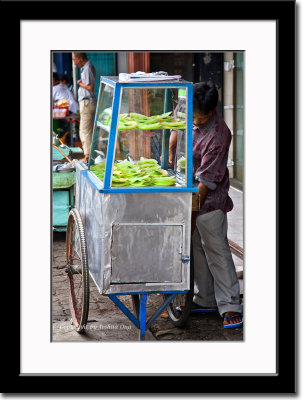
[(135, 194), (142, 136)]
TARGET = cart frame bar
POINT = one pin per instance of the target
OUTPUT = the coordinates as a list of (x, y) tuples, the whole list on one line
[(140, 322)]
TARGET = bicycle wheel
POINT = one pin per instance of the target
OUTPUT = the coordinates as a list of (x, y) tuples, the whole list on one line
[(77, 270), (180, 307)]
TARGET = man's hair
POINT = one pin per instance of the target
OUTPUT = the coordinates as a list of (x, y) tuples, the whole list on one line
[(81, 56), (55, 76), (63, 77), (205, 97)]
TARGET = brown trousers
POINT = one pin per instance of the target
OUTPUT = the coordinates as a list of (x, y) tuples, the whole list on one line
[(87, 114)]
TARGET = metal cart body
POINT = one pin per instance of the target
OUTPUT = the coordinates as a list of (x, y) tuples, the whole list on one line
[(137, 238), (135, 241)]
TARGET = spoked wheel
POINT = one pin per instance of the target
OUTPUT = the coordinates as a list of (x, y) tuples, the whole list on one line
[(180, 307), (77, 270)]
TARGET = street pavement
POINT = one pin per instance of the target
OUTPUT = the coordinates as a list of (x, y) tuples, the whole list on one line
[(106, 322)]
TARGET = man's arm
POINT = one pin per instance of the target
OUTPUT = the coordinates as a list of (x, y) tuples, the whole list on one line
[(87, 87), (172, 145), (203, 190)]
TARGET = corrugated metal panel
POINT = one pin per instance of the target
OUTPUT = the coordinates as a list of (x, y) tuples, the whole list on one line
[(105, 64)]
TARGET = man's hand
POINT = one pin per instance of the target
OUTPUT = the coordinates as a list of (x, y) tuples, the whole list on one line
[(87, 87), (203, 190)]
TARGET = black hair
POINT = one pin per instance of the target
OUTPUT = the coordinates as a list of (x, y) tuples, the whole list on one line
[(205, 97), (55, 76), (63, 77), (80, 55)]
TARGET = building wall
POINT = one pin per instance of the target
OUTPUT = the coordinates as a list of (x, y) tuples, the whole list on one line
[(122, 62), (228, 102), (105, 65), (209, 67)]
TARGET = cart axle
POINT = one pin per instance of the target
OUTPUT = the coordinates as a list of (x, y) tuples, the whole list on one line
[(73, 269)]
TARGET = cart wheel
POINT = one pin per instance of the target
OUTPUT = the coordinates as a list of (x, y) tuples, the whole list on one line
[(180, 307), (77, 270)]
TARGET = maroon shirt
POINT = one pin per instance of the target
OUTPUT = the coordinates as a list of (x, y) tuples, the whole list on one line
[(211, 143)]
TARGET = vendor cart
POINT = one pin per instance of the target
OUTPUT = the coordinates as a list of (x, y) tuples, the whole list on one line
[(131, 225)]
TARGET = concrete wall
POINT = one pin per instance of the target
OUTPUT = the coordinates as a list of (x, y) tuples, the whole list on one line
[(122, 62), (228, 106)]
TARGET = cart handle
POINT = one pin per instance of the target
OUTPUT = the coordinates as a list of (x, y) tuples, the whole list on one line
[(56, 147), (54, 133)]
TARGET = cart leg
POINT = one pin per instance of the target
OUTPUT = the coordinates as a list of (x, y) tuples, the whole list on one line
[(142, 316)]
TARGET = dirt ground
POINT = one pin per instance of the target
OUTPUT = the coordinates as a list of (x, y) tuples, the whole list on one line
[(107, 322)]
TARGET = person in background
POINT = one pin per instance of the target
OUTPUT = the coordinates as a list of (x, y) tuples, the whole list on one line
[(61, 91), (87, 100), (65, 81), (179, 112), (173, 138), (216, 284), (55, 79)]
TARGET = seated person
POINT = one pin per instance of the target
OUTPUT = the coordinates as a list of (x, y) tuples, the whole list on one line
[(61, 91), (55, 79), (65, 81)]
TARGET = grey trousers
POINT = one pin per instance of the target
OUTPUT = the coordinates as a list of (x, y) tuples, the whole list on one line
[(216, 283)]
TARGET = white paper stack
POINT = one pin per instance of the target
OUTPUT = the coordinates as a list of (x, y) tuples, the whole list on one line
[(140, 76)]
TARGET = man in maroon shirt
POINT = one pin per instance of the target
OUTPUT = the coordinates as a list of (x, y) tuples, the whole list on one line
[(216, 283)]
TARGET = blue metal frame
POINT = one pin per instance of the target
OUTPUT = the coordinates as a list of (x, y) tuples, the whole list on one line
[(124, 309), (92, 180), (91, 149), (112, 139), (149, 190), (100, 188), (106, 80), (190, 136), (140, 322), (113, 130)]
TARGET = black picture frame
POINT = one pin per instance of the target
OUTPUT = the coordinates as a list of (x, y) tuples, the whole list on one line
[(283, 12)]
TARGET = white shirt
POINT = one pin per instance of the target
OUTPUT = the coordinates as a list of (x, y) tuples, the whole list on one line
[(88, 77), (61, 92)]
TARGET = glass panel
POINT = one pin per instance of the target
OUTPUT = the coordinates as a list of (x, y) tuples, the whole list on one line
[(99, 146), (180, 157), (146, 119)]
